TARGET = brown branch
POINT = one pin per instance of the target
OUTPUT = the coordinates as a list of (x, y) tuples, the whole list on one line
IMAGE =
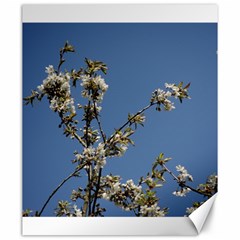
[(100, 170), (87, 202), (59, 186), (99, 123)]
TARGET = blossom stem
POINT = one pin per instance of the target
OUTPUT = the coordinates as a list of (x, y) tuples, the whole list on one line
[(171, 173), (59, 186)]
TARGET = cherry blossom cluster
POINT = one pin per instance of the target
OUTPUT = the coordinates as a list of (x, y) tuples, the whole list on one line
[(94, 87), (190, 210), (210, 187), (183, 177), (161, 97), (57, 88), (131, 197), (183, 174), (66, 209), (119, 141), (97, 156)]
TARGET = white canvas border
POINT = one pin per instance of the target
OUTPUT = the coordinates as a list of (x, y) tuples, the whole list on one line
[(108, 226), (120, 13)]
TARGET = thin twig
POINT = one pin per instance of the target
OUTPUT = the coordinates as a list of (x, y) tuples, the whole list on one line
[(79, 139), (171, 173), (59, 186), (99, 123), (130, 119)]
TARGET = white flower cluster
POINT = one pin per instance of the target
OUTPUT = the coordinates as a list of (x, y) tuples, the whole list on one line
[(119, 142), (161, 97), (177, 91), (212, 181), (174, 88), (152, 211), (119, 193), (113, 186), (94, 87), (96, 155), (210, 187), (57, 88), (77, 212), (133, 190), (182, 192), (151, 183), (190, 210), (182, 178), (128, 196), (65, 208), (184, 175), (101, 156)]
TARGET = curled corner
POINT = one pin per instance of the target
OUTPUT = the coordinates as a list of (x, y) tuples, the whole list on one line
[(198, 217)]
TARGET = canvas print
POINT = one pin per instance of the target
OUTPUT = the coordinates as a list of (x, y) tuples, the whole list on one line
[(119, 119)]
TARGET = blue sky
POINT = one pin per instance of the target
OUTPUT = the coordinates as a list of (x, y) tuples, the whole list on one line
[(140, 57)]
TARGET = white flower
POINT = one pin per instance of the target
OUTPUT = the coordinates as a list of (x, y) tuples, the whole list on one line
[(180, 168), (79, 157), (190, 210), (100, 149), (168, 105), (123, 148), (182, 192), (77, 211), (54, 104), (65, 87), (153, 211), (175, 88), (169, 85), (93, 84), (168, 94), (105, 196), (41, 88), (50, 69), (130, 182), (116, 187), (85, 80), (184, 175), (99, 81), (89, 151), (160, 95)]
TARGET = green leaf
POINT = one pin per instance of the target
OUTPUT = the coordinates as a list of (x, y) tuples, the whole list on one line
[(180, 84), (161, 155)]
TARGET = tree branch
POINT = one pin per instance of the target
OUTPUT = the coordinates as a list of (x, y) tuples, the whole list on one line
[(182, 184), (130, 119), (100, 170), (99, 123), (59, 186)]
